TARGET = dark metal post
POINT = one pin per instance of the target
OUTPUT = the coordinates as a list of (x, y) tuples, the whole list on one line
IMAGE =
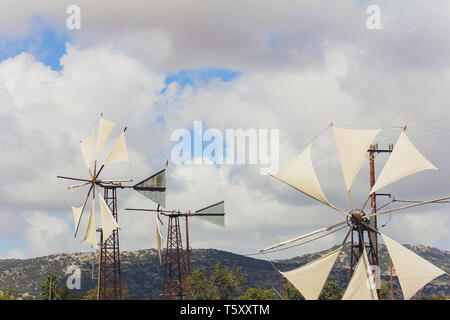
[(110, 282), (188, 258), (175, 277)]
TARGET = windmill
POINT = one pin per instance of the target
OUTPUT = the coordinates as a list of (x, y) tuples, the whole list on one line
[(177, 260), (403, 161), (109, 280)]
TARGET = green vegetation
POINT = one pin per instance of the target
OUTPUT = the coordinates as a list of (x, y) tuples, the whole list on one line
[(223, 284), (330, 291), (143, 274), (289, 292), (384, 291), (7, 294), (258, 294), (50, 291)]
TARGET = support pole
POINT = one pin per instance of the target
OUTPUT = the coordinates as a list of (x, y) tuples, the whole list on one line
[(110, 281), (175, 276), (188, 257)]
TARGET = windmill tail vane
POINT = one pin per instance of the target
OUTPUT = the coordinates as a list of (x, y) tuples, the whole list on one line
[(352, 146)]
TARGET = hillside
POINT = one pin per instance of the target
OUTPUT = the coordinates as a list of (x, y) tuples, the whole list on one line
[(143, 276)]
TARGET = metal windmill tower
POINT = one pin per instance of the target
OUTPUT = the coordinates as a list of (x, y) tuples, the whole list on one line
[(109, 274), (352, 146), (177, 260)]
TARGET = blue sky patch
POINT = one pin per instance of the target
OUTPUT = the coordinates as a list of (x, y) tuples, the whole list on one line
[(46, 44), (196, 77)]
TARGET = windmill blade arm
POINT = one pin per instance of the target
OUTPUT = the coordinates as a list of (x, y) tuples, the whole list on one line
[(339, 210), (302, 236), (133, 209), (328, 204), (75, 179), (81, 214), (365, 203), (408, 206), (98, 173), (78, 185)]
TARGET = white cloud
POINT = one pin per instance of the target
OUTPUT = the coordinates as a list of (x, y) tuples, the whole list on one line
[(304, 65), (47, 234)]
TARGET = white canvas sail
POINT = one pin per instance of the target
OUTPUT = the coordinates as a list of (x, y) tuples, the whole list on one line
[(76, 211), (300, 174), (361, 285), (352, 146), (87, 148), (104, 129), (159, 240), (108, 222), (119, 151), (90, 236), (404, 160), (412, 270), (310, 278)]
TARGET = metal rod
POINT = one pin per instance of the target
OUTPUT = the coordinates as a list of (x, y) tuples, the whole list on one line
[(390, 276), (76, 179), (188, 258), (180, 214), (410, 206), (302, 236), (328, 204)]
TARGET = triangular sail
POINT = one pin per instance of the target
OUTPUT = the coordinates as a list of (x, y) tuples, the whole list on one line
[(104, 129), (412, 270), (90, 236), (404, 160), (77, 216), (361, 285), (108, 222), (300, 175), (310, 279), (218, 208), (352, 146), (119, 151), (154, 188), (159, 240), (87, 148)]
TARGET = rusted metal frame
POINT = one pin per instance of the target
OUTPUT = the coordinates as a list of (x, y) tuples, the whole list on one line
[(110, 277)]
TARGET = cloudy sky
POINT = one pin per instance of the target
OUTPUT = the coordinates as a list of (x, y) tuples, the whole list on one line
[(155, 66)]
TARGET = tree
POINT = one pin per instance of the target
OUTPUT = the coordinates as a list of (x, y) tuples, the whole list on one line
[(223, 284), (291, 293), (331, 291), (384, 291), (199, 285), (91, 295), (50, 291), (258, 294), (48, 287), (64, 293), (8, 294)]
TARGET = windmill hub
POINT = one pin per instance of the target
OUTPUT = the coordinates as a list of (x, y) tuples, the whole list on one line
[(356, 216)]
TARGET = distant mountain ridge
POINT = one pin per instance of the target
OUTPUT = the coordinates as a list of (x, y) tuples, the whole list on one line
[(142, 274)]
